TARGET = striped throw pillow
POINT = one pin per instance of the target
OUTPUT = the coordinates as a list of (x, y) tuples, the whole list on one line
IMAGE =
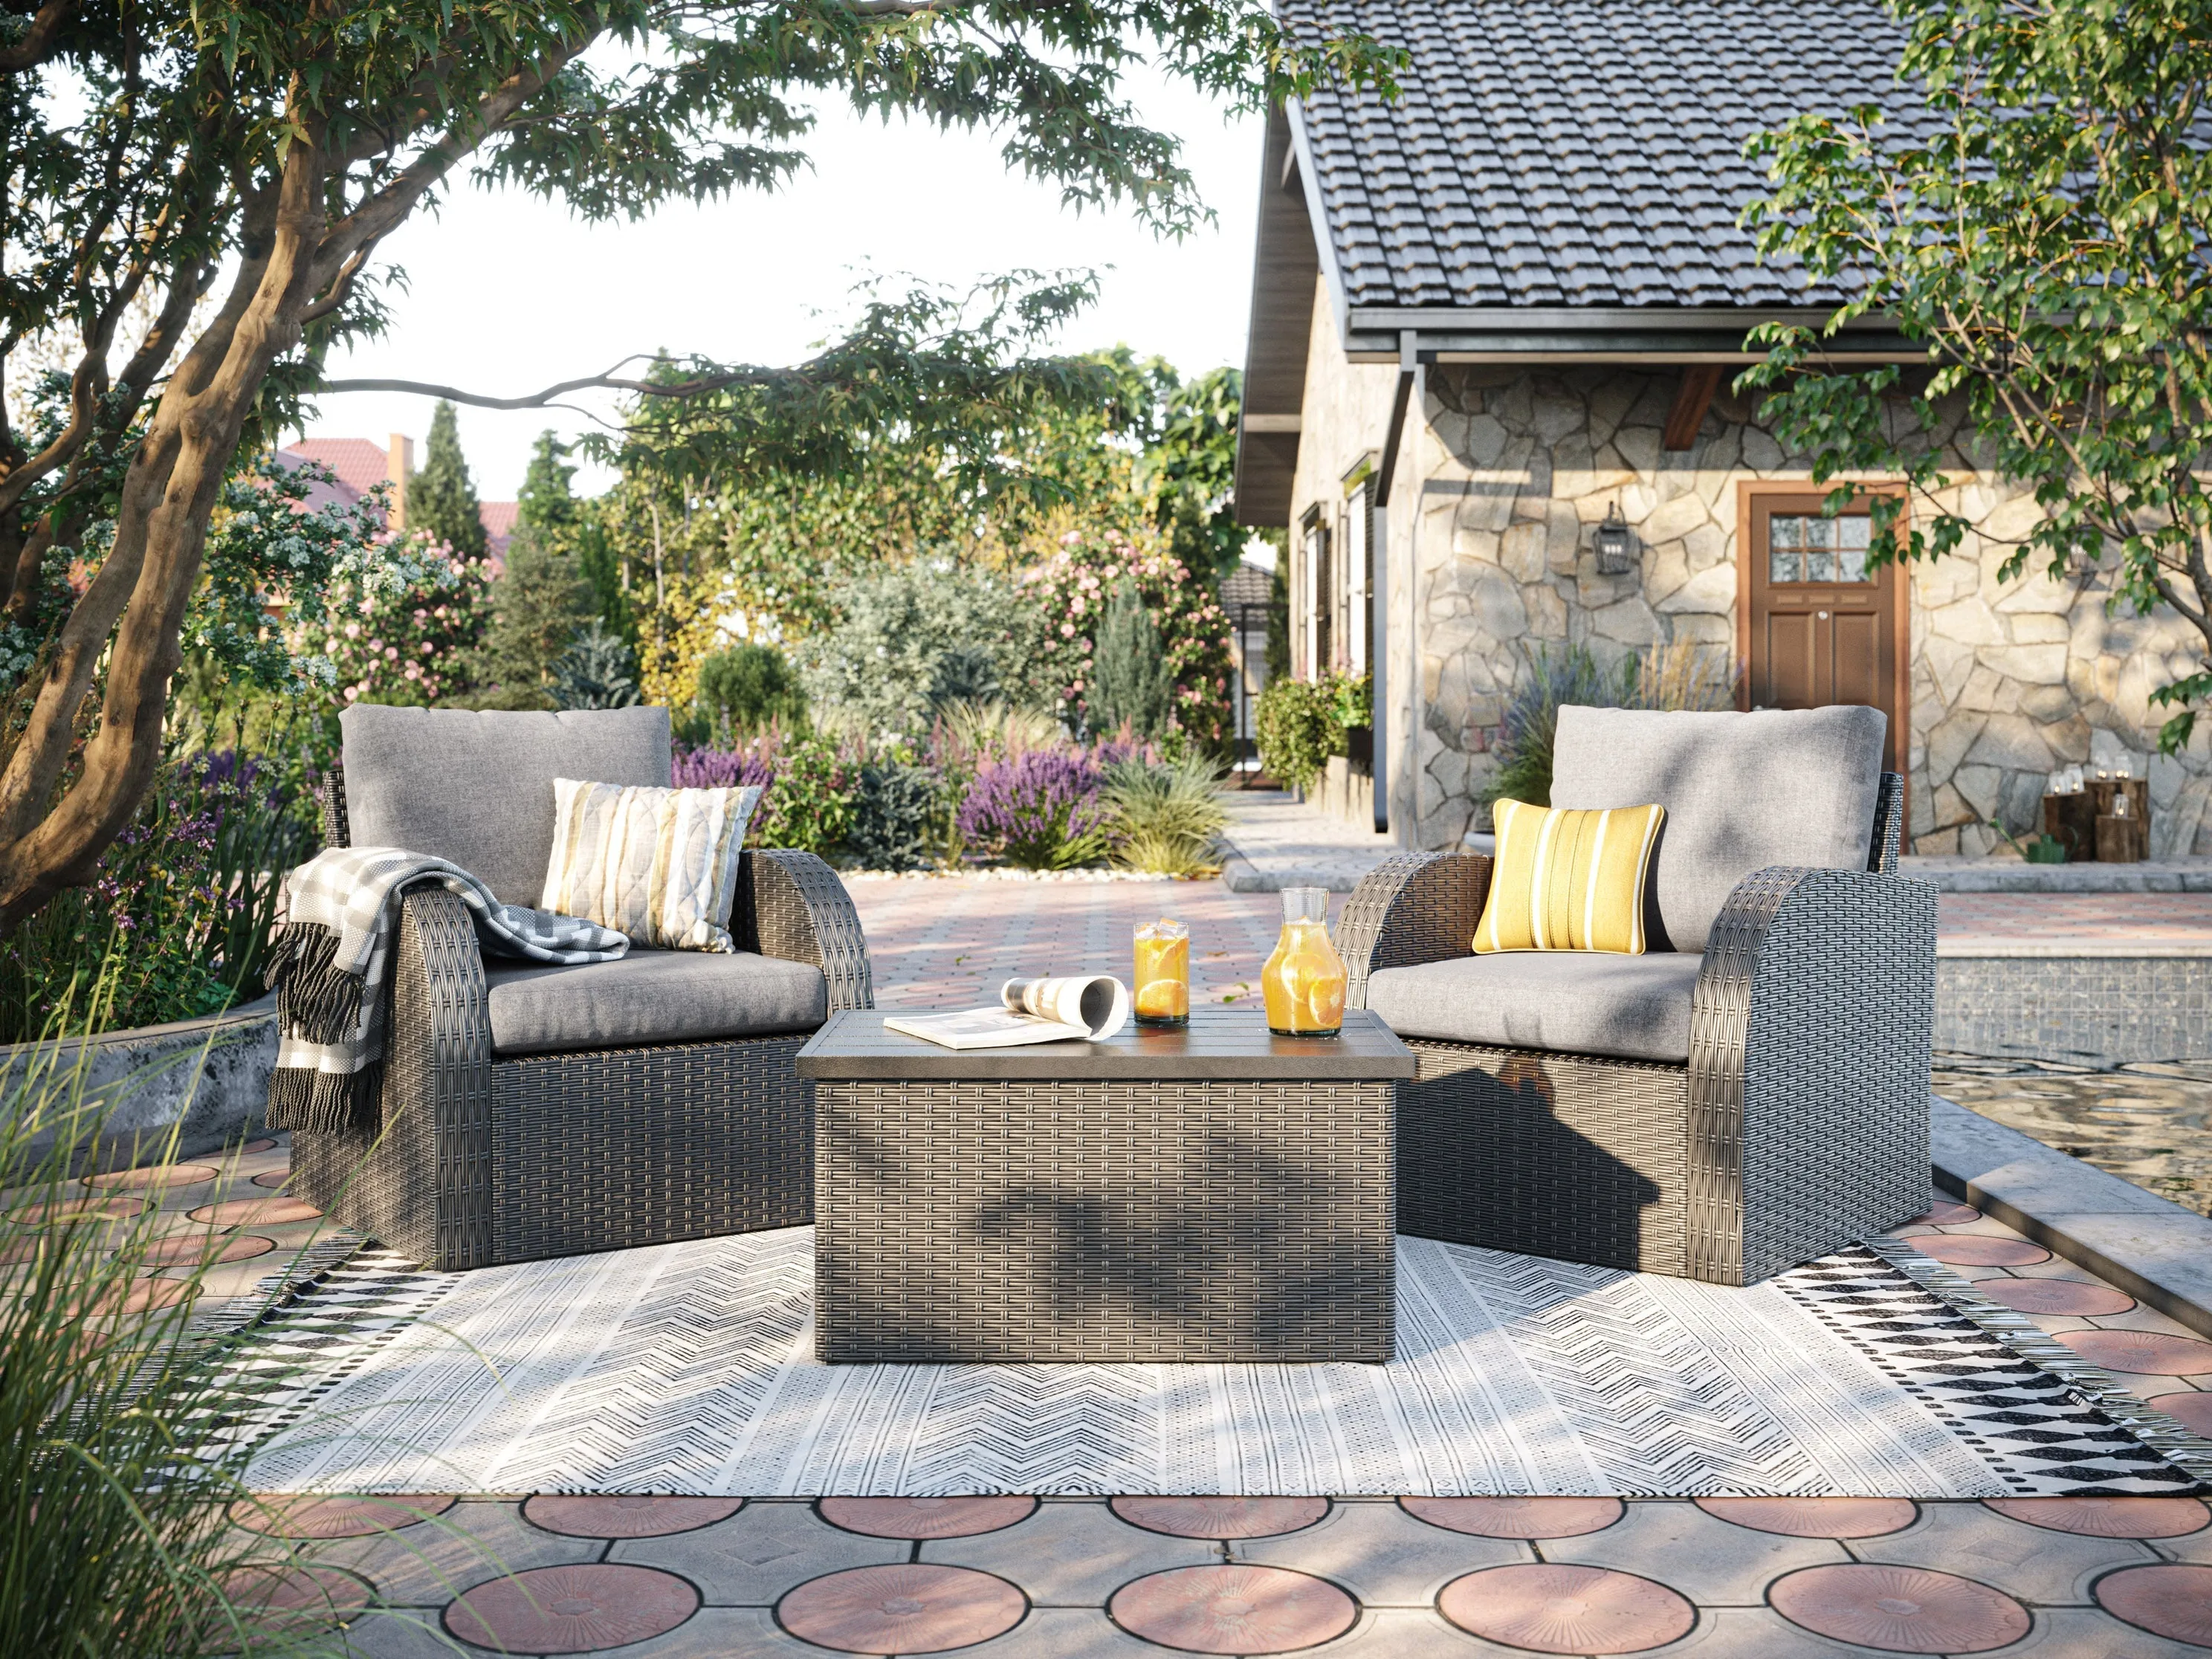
[(661, 865), (1564, 880)]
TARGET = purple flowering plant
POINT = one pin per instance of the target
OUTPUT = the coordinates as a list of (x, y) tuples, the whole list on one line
[(1040, 811)]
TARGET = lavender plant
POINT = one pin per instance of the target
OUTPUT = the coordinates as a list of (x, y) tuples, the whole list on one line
[(1042, 810)]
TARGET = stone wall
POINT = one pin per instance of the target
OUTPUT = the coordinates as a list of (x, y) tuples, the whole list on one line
[(1489, 541)]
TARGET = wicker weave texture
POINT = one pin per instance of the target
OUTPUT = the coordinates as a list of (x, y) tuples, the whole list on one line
[(1567, 1156), (1186, 1221)]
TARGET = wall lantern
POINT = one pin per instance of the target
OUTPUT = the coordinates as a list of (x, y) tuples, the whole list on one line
[(1615, 543)]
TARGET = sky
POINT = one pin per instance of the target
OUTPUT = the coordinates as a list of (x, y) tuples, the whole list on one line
[(507, 294)]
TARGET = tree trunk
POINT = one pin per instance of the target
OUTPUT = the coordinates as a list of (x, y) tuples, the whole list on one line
[(140, 594)]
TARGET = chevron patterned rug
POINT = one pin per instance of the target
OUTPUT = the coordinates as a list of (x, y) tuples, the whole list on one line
[(688, 1368)]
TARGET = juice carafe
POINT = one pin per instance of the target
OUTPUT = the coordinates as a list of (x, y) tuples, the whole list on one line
[(1163, 974), (1303, 982)]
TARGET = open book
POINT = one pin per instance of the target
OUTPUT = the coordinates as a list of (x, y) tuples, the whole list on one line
[(1029, 1011)]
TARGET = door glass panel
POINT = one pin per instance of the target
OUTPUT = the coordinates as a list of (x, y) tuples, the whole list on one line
[(1804, 547)]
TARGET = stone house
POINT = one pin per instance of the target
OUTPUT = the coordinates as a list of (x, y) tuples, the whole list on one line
[(1492, 315)]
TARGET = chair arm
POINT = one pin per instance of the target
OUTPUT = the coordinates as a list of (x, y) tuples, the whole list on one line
[(791, 906), (1810, 1030), (330, 796), (1416, 908)]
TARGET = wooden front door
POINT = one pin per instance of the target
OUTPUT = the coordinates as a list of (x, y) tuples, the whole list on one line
[(1821, 627)]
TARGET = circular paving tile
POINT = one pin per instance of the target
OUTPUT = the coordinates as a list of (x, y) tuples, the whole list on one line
[(2149, 1353), (2054, 1296), (926, 1517), (121, 1208), (1978, 1251), (1901, 1609), (1815, 1517), (1220, 1517), (1947, 1212), (1234, 1608), (2191, 1409), (1555, 1608), (255, 1212), (572, 1609), (1516, 1517), (154, 1175), (295, 1595), (145, 1294), (309, 1517), (911, 1609), (253, 1146), (187, 1249), (272, 1177), (2172, 1599), (2108, 1518), (628, 1516)]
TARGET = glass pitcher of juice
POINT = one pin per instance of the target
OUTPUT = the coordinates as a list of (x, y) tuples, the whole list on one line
[(1163, 974), (1303, 982)]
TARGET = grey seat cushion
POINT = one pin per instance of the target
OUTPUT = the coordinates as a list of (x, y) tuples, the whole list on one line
[(1575, 1002), (650, 997), (1742, 792), (476, 786)]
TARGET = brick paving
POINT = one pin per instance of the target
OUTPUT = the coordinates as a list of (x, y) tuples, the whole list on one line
[(1365, 1578)]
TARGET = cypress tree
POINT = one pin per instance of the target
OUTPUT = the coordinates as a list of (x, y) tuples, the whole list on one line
[(538, 606), (1130, 685), (441, 497), (546, 502)]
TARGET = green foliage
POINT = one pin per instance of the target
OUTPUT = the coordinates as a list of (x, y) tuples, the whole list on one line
[(1279, 619), (899, 811), (441, 498), (595, 671), (176, 919), (911, 640), (809, 805), (546, 503), (1071, 591), (1164, 817), (1300, 724), (749, 687), (2042, 229), (539, 603), (1131, 687), (1188, 471), (403, 627), (1680, 676), (113, 1472)]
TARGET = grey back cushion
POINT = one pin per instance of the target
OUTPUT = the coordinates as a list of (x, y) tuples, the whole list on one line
[(476, 787), (1741, 792)]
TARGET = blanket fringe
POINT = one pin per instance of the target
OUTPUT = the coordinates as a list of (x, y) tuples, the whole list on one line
[(325, 1103), (316, 999)]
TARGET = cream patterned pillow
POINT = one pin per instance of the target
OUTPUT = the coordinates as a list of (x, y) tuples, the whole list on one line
[(661, 865)]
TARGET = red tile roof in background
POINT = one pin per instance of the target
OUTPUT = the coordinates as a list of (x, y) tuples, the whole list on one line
[(499, 519), (362, 465)]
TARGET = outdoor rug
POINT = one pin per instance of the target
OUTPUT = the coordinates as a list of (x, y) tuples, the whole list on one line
[(688, 1368)]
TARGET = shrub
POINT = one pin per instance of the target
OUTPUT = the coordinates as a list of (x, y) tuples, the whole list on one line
[(910, 640), (405, 633), (749, 687), (1072, 590), (176, 920), (1164, 817), (1040, 809), (596, 670), (898, 816), (1131, 687), (806, 801), (1300, 724)]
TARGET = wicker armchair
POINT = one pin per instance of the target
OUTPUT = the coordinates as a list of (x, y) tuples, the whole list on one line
[(487, 1157), (1796, 1121)]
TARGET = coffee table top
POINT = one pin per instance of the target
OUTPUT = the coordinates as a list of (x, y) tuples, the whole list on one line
[(1223, 1043)]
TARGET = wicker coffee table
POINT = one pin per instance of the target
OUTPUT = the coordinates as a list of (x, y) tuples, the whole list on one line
[(1215, 1194)]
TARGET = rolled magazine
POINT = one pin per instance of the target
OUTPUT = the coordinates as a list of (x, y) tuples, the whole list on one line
[(1029, 1011)]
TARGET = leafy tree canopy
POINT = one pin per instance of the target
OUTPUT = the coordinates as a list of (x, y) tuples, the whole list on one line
[(2040, 216), (172, 147)]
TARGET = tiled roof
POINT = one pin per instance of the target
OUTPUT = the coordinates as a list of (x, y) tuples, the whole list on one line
[(1573, 153), (361, 465), (499, 520)]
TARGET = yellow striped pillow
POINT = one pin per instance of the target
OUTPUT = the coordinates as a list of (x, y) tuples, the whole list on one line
[(661, 865), (1564, 880)]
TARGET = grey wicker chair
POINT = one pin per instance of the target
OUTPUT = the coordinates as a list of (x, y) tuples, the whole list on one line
[(1774, 1111), (487, 1157)]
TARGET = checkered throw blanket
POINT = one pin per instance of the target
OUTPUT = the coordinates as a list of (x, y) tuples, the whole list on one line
[(330, 962)]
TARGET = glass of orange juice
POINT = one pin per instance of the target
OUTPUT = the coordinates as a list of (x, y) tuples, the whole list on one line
[(1302, 983), (1164, 973)]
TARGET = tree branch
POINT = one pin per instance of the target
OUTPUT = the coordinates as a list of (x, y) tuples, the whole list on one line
[(40, 40), (697, 386)]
